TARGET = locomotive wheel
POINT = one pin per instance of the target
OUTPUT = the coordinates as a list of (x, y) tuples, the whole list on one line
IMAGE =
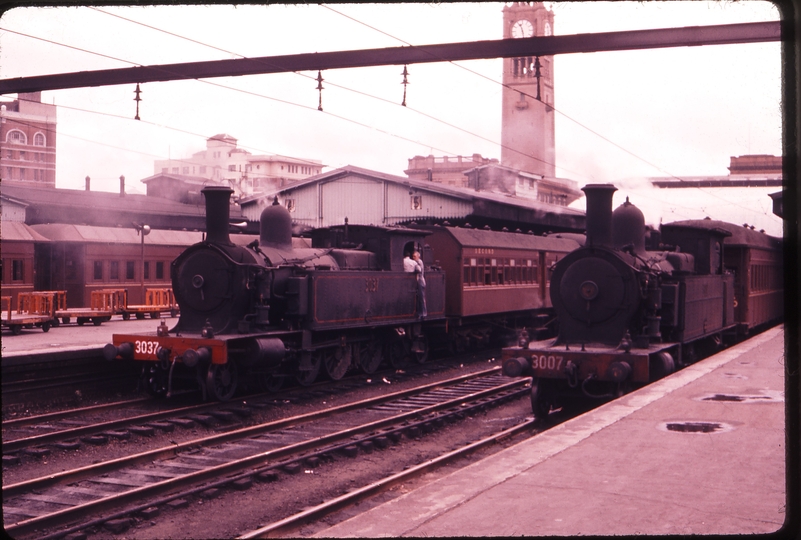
[(307, 377), (126, 316), (399, 353), (420, 349), (45, 327), (16, 329), (140, 316), (370, 357), (97, 321), (65, 320), (81, 321), (541, 399), (155, 380), (55, 322), (221, 381), (337, 361)]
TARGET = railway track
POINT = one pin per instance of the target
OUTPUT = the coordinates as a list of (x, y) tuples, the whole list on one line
[(137, 482)]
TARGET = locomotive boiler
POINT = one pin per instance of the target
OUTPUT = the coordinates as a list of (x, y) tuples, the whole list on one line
[(268, 310), (627, 316)]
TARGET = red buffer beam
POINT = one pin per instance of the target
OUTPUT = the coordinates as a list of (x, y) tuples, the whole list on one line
[(504, 48)]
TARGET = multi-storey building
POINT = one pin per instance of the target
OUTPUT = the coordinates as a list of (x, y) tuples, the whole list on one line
[(28, 140), (223, 162), (445, 170)]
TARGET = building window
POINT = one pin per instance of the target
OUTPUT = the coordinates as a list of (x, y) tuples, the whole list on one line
[(9, 154), (175, 170), (160, 270), (232, 167), (290, 204), (23, 155), (17, 268), (164, 170), (203, 169), (417, 202), (146, 270), (114, 270), (15, 136), (186, 170), (38, 140), (98, 270), (129, 269), (21, 173)]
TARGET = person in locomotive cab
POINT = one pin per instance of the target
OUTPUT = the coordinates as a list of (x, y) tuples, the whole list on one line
[(408, 263), (421, 283)]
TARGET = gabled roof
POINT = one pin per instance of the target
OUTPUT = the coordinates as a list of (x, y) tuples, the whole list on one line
[(96, 201), (465, 194), (59, 232), (18, 231)]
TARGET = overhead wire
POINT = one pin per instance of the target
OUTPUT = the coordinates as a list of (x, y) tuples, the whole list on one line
[(640, 158), (333, 84), (356, 91)]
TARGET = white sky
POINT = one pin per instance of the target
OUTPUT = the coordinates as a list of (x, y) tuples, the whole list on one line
[(670, 112)]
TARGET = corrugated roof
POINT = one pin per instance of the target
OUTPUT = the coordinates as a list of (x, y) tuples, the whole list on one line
[(18, 231)]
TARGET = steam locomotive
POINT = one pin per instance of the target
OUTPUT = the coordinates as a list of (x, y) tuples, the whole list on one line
[(629, 316), (270, 310)]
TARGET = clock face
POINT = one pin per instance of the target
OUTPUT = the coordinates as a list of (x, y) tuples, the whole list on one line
[(522, 29)]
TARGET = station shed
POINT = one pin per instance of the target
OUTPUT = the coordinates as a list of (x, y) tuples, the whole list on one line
[(368, 197)]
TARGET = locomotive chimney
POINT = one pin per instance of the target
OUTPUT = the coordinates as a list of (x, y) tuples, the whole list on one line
[(88, 180), (217, 213), (122, 186), (599, 214)]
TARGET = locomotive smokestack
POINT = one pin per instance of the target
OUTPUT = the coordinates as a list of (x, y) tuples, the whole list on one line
[(599, 214), (217, 213)]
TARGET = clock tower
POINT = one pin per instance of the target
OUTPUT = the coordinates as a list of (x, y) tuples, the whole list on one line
[(527, 119)]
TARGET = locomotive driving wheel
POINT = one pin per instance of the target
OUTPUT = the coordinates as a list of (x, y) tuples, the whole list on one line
[(305, 377), (370, 356), (337, 361), (221, 381), (542, 398)]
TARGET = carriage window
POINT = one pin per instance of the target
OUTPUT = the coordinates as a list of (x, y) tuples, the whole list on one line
[(114, 270), (17, 267), (98, 270), (129, 270)]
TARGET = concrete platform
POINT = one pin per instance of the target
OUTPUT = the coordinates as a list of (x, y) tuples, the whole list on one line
[(71, 337), (622, 469)]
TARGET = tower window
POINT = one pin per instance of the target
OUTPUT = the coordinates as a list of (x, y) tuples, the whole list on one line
[(38, 140), (15, 136)]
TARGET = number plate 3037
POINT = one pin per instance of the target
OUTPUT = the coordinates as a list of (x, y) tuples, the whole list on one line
[(146, 348)]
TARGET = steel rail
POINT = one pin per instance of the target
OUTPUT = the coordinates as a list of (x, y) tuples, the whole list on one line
[(75, 474), (27, 525), (291, 523), (505, 48)]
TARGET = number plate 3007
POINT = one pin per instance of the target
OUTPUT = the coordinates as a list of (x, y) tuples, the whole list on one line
[(547, 362), (147, 348)]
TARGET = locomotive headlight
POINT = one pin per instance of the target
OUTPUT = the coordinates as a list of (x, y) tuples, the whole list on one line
[(588, 290)]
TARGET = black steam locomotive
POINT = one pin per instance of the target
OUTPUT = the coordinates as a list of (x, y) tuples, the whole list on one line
[(628, 316), (270, 310)]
